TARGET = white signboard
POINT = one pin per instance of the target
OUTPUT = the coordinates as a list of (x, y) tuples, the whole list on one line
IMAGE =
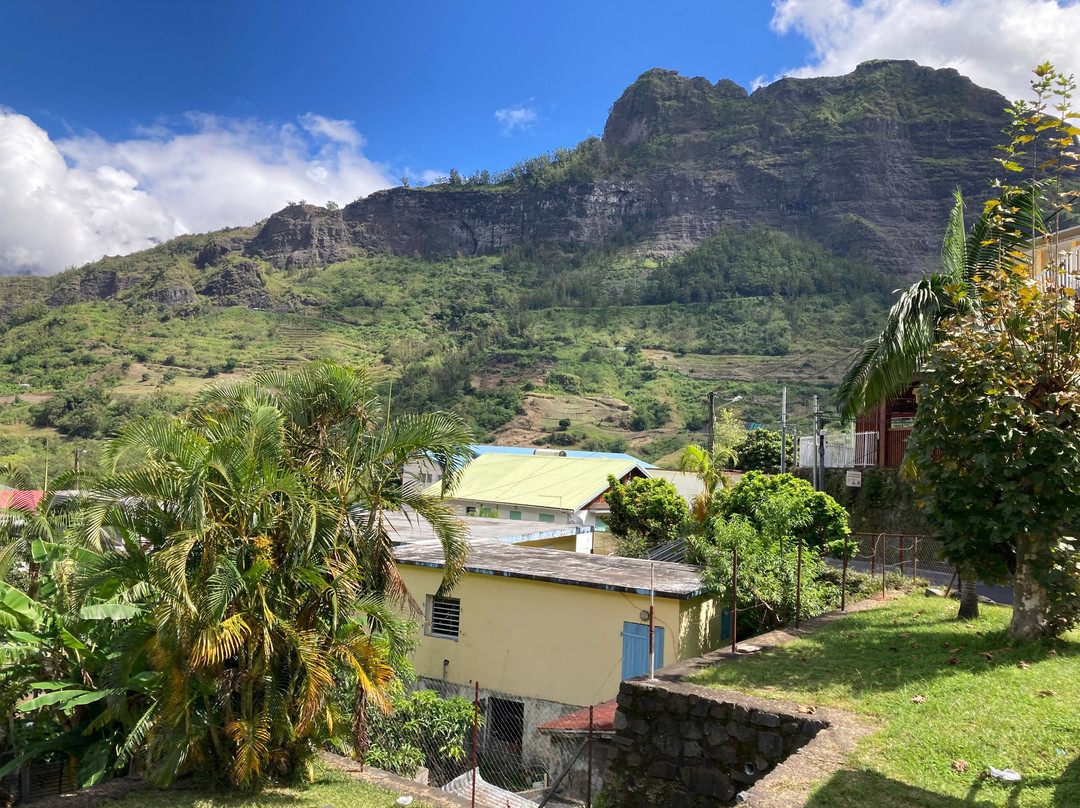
[(854, 479)]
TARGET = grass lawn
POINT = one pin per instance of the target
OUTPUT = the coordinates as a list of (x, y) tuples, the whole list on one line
[(985, 700), (331, 788)]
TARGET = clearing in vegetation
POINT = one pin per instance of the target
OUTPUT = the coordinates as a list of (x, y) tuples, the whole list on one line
[(952, 699)]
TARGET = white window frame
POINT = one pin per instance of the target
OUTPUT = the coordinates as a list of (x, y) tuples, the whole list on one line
[(430, 629)]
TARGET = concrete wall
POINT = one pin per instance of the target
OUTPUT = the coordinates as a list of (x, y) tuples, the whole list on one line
[(536, 639), (683, 745)]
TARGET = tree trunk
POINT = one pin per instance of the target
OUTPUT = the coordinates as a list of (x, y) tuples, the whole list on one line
[(969, 598), (1030, 600)]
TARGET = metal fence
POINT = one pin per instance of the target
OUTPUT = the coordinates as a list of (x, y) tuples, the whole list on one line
[(477, 730), (908, 554), (842, 450)]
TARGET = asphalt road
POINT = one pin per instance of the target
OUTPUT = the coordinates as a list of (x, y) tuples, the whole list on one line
[(998, 594)]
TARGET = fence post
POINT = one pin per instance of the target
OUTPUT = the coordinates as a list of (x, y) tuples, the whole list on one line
[(843, 580), (915, 560), (884, 547), (798, 586), (588, 782), (475, 728), (734, 599)]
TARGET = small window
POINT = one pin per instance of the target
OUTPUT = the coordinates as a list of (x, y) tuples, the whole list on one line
[(601, 524), (444, 617), (470, 510), (515, 514), (547, 517)]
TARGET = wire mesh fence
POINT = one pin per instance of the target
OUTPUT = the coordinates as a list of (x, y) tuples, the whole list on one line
[(909, 555), (440, 733)]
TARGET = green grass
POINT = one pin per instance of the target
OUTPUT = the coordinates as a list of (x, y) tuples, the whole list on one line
[(987, 712), (330, 788)]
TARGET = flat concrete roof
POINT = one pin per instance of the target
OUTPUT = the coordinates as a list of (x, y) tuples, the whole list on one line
[(406, 528), (615, 574)]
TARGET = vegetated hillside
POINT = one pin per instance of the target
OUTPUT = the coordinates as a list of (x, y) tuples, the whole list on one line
[(711, 241)]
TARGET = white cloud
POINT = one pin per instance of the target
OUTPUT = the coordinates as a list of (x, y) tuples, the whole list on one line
[(71, 201), (995, 43), (516, 117)]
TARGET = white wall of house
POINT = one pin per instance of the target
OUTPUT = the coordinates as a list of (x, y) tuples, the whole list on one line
[(526, 513)]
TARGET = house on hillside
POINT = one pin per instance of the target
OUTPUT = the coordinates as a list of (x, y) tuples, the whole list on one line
[(540, 488), (545, 632), (427, 472)]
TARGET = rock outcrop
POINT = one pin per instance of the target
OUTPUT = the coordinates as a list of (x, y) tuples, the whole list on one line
[(865, 163)]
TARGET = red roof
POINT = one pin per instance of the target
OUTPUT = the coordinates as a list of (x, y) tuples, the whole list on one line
[(27, 500), (603, 720)]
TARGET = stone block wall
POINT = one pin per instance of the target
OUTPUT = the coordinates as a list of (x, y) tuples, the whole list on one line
[(686, 746)]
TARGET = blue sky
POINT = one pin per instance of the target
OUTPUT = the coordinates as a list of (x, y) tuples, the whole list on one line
[(122, 123)]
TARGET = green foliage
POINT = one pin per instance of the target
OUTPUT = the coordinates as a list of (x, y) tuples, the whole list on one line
[(649, 413), (735, 263), (767, 580), (421, 729), (997, 437), (253, 538), (646, 507), (785, 505), (997, 444), (760, 451)]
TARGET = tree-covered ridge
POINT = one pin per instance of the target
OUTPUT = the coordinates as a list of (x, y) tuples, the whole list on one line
[(757, 262)]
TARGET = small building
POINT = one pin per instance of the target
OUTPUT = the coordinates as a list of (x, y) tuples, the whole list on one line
[(428, 471), (540, 488), (544, 632)]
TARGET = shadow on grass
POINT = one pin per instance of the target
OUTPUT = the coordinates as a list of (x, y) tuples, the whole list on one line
[(852, 789), (882, 651), (1067, 793)]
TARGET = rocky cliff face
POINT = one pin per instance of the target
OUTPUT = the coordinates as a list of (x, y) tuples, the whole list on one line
[(865, 163)]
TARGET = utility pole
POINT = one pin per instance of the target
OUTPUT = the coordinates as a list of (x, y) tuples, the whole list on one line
[(814, 445), (820, 438), (783, 432), (712, 418)]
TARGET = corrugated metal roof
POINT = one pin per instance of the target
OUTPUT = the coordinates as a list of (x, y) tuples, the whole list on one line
[(615, 574), (407, 526), (491, 448), (556, 483), (486, 794)]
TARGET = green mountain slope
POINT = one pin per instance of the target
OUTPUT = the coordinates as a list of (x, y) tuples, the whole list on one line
[(713, 240)]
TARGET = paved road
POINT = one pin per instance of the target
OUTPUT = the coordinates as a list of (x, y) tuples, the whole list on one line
[(998, 594)]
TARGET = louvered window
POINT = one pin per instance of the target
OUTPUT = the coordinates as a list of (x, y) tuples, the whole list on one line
[(444, 617)]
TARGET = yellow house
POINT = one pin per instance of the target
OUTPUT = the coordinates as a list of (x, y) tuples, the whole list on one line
[(554, 627)]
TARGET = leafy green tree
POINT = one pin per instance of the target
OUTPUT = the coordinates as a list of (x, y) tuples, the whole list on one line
[(791, 506), (760, 451), (767, 583), (647, 508), (997, 449)]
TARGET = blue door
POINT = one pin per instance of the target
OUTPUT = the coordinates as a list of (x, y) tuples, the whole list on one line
[(635, 649)]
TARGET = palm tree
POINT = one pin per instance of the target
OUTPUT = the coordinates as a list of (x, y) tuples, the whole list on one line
[(709, 467), (252, 531), (887, 364), (342, 432)]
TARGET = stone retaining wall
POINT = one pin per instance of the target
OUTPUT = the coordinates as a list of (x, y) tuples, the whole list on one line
[(686, 746)]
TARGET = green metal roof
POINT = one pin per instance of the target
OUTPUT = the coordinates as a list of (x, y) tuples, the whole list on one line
[(558, 483)]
